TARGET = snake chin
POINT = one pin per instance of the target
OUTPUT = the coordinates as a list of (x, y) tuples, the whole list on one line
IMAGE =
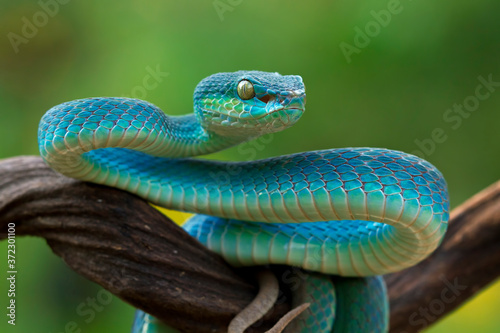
[(282, 119), (233, 126)]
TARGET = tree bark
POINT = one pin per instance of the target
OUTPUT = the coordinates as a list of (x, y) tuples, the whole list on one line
[(122, 243)]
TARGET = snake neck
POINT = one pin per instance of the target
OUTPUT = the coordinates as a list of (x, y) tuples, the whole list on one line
[(71, 133), (187, 137)]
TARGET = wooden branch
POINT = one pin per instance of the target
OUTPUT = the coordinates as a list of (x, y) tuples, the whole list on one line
[(122, 243)]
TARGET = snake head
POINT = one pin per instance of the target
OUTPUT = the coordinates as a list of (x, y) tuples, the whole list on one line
[(249, 103)]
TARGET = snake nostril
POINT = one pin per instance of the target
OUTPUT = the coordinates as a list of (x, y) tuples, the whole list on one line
[(265, 98)]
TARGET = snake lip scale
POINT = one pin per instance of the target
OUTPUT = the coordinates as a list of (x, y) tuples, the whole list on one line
[(351, 212)]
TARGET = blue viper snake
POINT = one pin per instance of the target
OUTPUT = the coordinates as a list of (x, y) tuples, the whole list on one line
[(356, 213)]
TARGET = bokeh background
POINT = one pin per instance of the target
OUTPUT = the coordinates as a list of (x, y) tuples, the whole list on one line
[(391, 89)]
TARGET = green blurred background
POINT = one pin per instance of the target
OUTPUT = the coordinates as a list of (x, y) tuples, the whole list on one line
[(393, 92)]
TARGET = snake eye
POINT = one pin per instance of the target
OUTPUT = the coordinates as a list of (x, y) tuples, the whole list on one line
[(245, 90)]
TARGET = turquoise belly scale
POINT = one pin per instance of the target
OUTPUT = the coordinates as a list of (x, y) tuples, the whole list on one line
[(350, 212)]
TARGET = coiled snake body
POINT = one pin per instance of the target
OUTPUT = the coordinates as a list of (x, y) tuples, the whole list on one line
[(362, 211)]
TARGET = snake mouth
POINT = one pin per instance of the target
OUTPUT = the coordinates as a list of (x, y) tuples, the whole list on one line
[(234, 124), (247, 116), (291, 104), (283, 110)]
